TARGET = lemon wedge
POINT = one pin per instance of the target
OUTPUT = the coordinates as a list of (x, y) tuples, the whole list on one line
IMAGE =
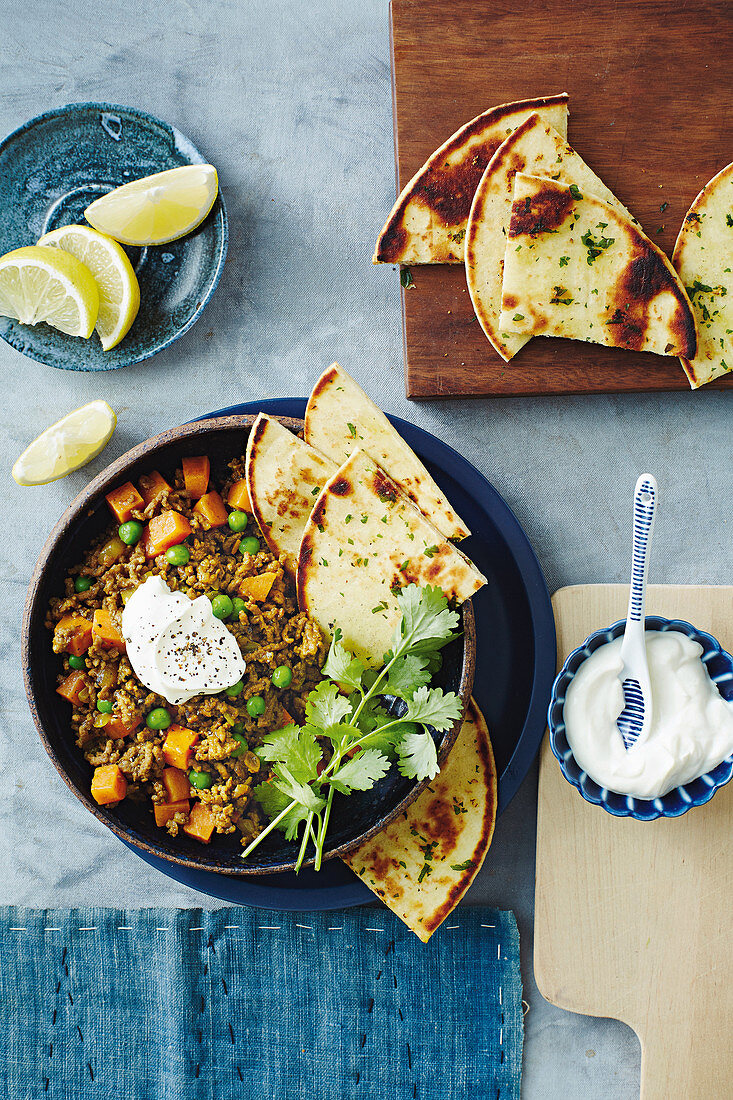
[(37, 284), (67, 445), (156, 209), (119, 290)]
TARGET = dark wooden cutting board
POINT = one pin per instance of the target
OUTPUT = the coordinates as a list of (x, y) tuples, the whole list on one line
[(650, 111)]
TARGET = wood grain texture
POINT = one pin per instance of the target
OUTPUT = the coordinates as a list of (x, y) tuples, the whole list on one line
[(633, 920), (650, 112)]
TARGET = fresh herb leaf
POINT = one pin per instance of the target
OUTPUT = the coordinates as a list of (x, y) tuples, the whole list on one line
[(406, 278), (425, 617), (274, 802), (417, 756), (341, 666), (361, 772), (325, 706), (352, 430), (575, 191), (465, 866), (432, 707), (295, 747), (564, 261), (406, 674), (299, 792)]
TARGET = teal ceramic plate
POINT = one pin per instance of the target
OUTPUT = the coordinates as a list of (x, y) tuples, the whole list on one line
[(51, 169)]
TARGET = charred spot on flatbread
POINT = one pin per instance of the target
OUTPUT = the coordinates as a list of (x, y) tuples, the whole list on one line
[(542, 212)]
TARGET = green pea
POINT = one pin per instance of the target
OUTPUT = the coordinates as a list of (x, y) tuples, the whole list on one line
[(243, 746), (239, 606), (235, 689), (105, 706), (130, 532), (238, 521), (282, 677), (221, 606), (158, 719), (201, 780), (255, 706), (178, 555), (250, 545), (77, 662), (82, 584)]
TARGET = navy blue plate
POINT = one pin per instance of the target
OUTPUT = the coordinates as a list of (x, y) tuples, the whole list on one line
[(515, 663), (50, 171)]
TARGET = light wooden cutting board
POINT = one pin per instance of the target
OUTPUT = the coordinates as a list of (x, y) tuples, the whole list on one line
[(634, 920)]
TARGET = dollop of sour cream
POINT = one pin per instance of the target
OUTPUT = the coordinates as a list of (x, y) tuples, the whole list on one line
[(176, 646), (692, 725)]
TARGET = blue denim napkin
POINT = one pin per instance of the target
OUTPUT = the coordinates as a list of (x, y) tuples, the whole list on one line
[(188, 1004)]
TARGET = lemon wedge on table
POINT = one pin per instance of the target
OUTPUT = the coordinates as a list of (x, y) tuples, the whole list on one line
[(156, 209), (119, 291), (38, 284), (67, 445)]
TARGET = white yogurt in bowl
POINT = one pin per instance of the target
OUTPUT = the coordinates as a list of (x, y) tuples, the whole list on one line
[(692, 725), (176, 646)]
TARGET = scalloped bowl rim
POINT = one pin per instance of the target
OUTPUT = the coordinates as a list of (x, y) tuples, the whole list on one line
[(680, 799)]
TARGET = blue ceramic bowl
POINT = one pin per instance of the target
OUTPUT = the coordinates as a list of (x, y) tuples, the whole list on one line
[(720, 669), (51, 169)]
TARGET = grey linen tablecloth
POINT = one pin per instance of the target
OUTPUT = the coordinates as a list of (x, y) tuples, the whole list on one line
[(291, 101)]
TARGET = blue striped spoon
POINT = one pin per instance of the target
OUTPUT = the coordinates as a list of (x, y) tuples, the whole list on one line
[(635, 719)]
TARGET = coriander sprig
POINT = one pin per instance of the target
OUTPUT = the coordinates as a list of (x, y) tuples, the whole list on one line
[(347, 743)]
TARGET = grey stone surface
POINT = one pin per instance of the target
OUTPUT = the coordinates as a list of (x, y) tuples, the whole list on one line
[(292, 102)]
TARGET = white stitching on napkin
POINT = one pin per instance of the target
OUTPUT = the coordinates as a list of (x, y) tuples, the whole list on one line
[(23, 929), (91, 928), (374, 930), (308, 926), (269, 927), (488, 926)]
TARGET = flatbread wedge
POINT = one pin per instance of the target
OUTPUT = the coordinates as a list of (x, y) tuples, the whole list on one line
[(703, 256), (284, 477), (575, 266), (537, 149), (365, 540), (422, 864), (428, 222), (340, 417)]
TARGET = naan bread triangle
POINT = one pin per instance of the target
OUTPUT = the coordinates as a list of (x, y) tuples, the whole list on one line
[(427, 224), (364, 541), (703, 256), (422, 864), (284, 477), (575, 266), (340, 418), (536, 149)]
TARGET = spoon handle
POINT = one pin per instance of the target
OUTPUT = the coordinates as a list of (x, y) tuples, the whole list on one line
[(645, 508)]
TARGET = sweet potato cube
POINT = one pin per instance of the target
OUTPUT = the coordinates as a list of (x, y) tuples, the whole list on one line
[(105, 632), (196, 472), (178, 747), (176, 784), (116, 728), (164, 811), (77, 631), (257, 588), (239, 496), (167, 529), (213, 509), (152, 486), (200, 824), (109, 785), (72, 686), (124, 500)]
